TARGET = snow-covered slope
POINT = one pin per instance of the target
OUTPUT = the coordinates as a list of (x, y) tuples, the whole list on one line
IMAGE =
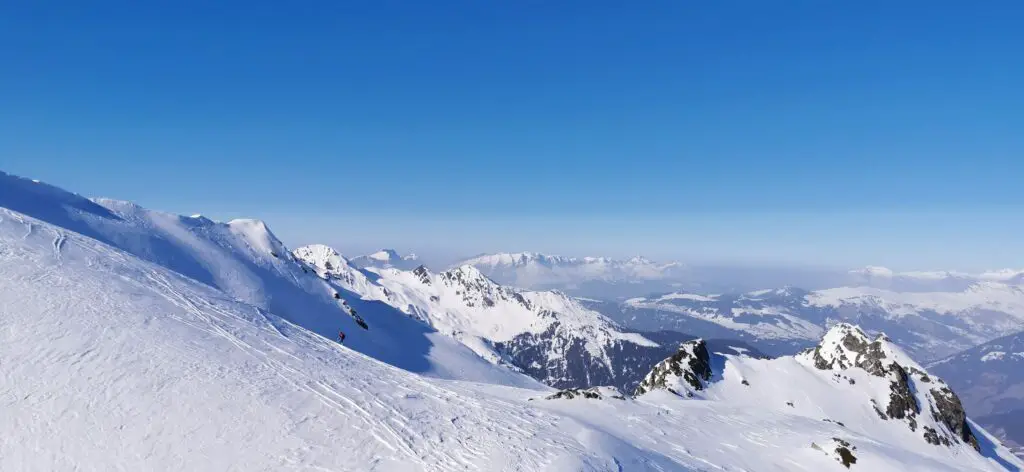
[(246, 261), (386, 259), (113, 363), (929, 325), (990, 380)]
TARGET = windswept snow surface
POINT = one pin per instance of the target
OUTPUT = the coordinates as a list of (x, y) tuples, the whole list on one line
[(244, 259)]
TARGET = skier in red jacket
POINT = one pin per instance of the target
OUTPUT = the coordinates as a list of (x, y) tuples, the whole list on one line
[(341, 336)]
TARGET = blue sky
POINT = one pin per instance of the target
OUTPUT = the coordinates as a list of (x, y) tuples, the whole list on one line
[(829, 133)]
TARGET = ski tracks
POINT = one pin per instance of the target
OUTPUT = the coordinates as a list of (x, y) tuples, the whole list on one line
[(58, 245)]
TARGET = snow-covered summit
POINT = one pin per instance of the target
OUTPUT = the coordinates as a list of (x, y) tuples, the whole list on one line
[(386, 258), (846, 345)]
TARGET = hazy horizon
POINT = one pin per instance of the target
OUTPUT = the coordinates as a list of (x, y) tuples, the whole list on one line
[(804, 134)]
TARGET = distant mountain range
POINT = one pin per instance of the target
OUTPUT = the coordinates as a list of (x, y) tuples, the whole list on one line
[(579, 275), (608, 278)]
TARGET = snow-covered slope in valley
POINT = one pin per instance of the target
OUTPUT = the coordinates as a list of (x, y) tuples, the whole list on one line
[(386, 259), (245, 260), (764, 315)]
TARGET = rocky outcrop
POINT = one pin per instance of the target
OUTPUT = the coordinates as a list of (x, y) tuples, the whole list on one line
[(839, 449), (685, 372), (948, 410), (593, 393), (423, 274), (910, 388)]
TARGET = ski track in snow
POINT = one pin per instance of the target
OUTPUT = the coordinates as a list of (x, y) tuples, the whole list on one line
[(356, 401)]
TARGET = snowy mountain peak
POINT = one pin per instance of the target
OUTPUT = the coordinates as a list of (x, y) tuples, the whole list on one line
[(390, 255), (846, 345), (468, 276), (517, 259), (322, 257), (386, 259), (685, 372), (910, 390), (639, 260), (385, 255), (873, 271)]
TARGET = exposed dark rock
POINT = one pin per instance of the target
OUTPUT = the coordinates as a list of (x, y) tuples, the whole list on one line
[(595, 393), (845, 456), (950, 412), (691, 363), (423, 274), (902, 403), (843, 451), (840, 423)]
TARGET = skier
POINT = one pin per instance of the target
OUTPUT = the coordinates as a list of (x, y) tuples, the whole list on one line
[(341, 337)]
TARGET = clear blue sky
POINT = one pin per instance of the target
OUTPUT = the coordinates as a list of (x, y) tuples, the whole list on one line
[(835, 132)]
